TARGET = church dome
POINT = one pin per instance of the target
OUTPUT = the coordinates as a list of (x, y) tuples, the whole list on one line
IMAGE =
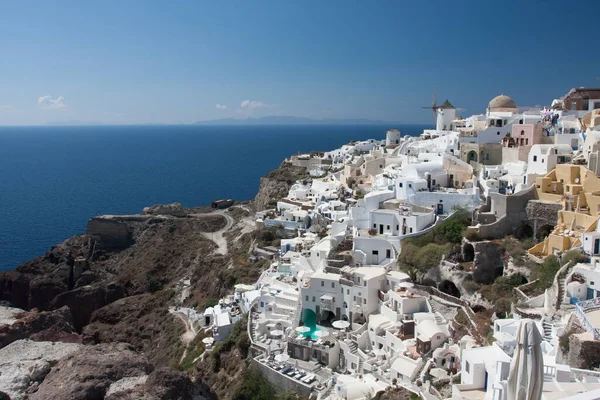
[(501, 103)]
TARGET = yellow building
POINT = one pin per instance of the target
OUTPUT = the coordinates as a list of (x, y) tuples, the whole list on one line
[(578, 189)]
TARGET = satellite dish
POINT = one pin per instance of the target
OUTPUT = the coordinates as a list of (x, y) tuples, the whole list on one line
[(576, 180)]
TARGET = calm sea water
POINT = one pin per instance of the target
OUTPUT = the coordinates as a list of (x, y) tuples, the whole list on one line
[(53, 179)]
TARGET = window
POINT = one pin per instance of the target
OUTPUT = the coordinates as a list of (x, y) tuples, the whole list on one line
[(542, 160), (526, 141), (592, 283), (522, 133), (534, 158), (314, 299), (498, 133), (375, 253), (388, 253), (410, 185), (322, 283), (387, 227), (410, 230), (400, 184), (348, 291), (345, 305), (397, 227), (380, 166), (333, 285), (306, 297), (355, 298), (468, 367), (365, 282), (364, 301), (333, 300), (374, 225)]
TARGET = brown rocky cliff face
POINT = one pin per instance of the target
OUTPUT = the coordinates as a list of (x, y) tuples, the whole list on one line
[(88, 373), (276, 184), (41, 326)]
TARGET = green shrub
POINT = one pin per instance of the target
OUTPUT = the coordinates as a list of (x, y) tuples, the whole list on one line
[(210, 303), (574, 257), (471, 286), (253, 386), (548, 270)]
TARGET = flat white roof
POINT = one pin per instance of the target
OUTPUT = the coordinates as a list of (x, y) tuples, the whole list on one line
[(370, 272), (326, 276)]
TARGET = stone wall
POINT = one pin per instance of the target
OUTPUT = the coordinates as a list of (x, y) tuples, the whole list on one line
[(282, 382), (509, 211), (109, 233), (541, 213)]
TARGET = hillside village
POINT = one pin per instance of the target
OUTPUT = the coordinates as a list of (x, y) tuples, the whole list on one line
[(421, 262)]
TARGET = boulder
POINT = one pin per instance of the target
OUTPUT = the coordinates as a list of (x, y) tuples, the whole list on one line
[(25, 363), (89, 373)]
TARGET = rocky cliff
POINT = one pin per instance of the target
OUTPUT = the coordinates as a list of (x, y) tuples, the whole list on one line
[(276, 184), (102, 300)]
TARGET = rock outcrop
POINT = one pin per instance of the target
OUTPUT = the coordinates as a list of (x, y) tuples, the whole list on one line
[(85, 300), (488, 263), (276, 184), (25, 363), (56, 326), (89, 372), (173, 209), (109, 233)]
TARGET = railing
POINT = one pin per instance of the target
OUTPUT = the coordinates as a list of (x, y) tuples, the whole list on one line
[(581, 308)]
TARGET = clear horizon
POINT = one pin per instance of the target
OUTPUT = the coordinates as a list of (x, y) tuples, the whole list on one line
[(140, 62)]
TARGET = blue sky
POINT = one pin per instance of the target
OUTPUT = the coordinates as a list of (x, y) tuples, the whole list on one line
[(126, 62)]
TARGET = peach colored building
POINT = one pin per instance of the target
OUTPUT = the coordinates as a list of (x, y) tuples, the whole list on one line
[(578, 190)]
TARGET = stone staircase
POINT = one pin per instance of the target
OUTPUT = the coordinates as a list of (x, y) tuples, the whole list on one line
[(547, 325), (439, 319), (561, 290), (296, 315), (353, 347)]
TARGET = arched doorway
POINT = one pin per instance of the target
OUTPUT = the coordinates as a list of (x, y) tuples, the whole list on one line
[(544, 231), (472, 156), (327, 317), (525, 231), (468, 252)]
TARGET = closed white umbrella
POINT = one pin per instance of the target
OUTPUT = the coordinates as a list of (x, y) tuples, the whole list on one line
[(526, 376)]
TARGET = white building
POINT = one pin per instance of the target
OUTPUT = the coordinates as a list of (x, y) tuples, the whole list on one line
[(543, 158)]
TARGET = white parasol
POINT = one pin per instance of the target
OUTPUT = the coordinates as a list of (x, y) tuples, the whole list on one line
[(276, 332), (526, 376), (406, 285), (340, 324), (282, 357)]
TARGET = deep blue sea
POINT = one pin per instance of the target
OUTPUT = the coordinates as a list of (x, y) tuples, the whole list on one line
[(53, 179)]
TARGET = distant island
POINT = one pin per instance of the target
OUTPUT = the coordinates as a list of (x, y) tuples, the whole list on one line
[(291, 120)]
